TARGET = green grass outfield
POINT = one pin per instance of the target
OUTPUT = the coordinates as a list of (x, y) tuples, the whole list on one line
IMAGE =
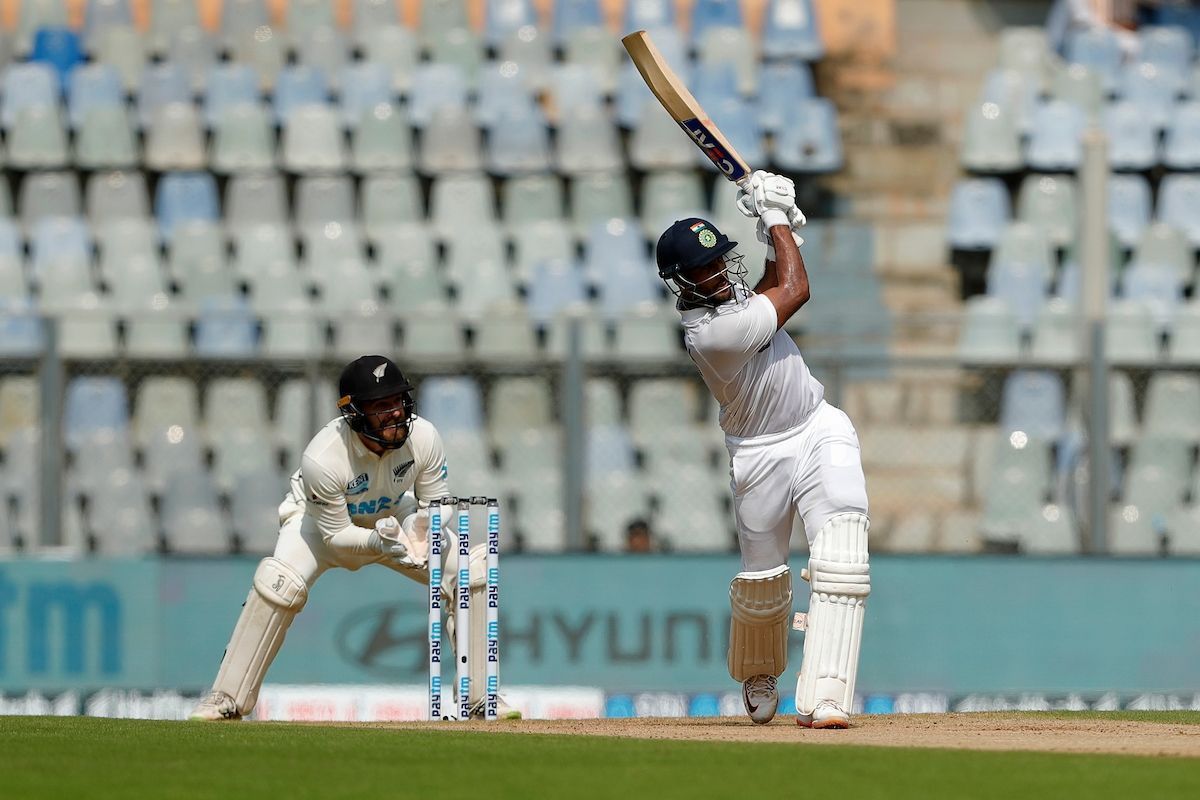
[(94, 759)]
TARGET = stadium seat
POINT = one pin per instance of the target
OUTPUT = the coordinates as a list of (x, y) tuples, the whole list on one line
[(58, 48), (518, 403), (254, 510), (506, 334), (1049, 202), (1016, 484), (505, 17), (37, 139), (714, 13), (93, 86), (597, 51), (602, 404), (197, 261), (809, 140), (255, 199), (519, 145), (990, 333), (1056, 338), (668, 196), (264, 51), (598, 198), (1151, 90), (21, 331), (161, 85), (1184, 343), (1167, 47), (451, 404), (94, 405), (395, 48), (1133, 145), (1162, 245), (451, 143), (433, 337), (225, 328), (1079, 86), (588, 143), (531, 198), (381, 141), (593, 335), (191, 517), (434, 87), (239, 17), (296, 87), (1184, 530), (979, 212), (158, 330), (737, 121), (991, 141), (458, 47), (48, 194), (229, 85), (1033, 403), (1158, 288), (124, 49), (1056, 139), (656, 141), (1131, 336), (105, 140), (243, 140), (1180, 149), (791, 30), (364, 86), (26, 86), (175, 139), (119, 516), (183, 196), (571, 15), (1020, 270), (554, 286), (239, 453), (36, 14), (1099, 50), (611, 243), (790, 84), (454, 198), (321, 199), (312, 141), (647, 334), (1024, 48), (194, 50), (1173, 407), (1128, 207), (1014, 94), (731, 48)]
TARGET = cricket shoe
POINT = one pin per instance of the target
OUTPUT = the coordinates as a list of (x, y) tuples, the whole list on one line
[(503, 709), (761, 696), (217, 706), (827, 714)]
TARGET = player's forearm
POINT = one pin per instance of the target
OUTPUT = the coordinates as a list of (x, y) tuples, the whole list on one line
[(791, 290), (350, 539), (770, 278)]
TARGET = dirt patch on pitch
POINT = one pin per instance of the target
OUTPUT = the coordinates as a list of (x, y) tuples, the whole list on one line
[(975, 731)]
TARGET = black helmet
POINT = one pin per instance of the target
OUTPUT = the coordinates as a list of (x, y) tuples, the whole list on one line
[(374, 378), (691, 243)]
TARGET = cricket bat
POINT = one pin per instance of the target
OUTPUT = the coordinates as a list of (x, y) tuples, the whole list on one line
[(680, 104)]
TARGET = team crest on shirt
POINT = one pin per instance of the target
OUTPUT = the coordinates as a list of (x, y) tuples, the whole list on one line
[(359, 485), (399, 472)]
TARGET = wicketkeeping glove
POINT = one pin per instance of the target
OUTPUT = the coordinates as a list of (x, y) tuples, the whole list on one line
[(385, 540)]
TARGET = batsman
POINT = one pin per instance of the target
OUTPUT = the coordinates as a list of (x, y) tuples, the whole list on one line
[(790, 452), (361, 496)]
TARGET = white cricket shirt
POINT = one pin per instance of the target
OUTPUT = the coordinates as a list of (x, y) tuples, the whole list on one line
[(345, 488), (753, 369)]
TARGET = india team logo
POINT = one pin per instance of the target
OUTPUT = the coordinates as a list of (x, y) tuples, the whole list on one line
[(708, 238)]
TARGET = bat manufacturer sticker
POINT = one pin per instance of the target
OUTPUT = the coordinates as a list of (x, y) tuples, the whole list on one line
[(708, 144)]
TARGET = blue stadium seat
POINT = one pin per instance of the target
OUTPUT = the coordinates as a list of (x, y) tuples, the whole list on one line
[(503, 92), (1014, 93), (504, 17), (229, 84), (611, 242), (57, 240), (94, 405), (436, 86), (1020, 269), (364, 85), (570, 15), (714, 13), (60, 49), (299, 86), (1099, 51), (1167, 47), (26, 86), (1034, 402), (791, 30), (1132, 144), (1056, 139), (1128, 207), (184, 196), (21, 332), (1158, 288), (713, 84), (649, 15), (1179, 205), (609, 450), (519, 145), (226, 328), (1181, 150), (553, 287), (93, 86), (790, 83), (979, 213), (628, 286), (161, 85), (1149, 87), (809, 140), (451, 404)]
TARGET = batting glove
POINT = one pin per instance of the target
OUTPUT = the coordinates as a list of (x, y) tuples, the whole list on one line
[(763, 233), (769, 197)]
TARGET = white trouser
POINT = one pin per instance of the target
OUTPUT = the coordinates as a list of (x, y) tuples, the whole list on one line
[(815, 469)]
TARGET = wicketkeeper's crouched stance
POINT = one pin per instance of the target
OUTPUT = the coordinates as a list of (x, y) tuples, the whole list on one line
[(361, 496), (790, 452)]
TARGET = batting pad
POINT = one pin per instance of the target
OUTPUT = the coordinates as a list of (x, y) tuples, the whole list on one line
[(841, 580), (761, 605), (278, 595)]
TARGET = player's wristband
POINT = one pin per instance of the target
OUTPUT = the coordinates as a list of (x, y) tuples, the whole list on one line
[(774, 216)]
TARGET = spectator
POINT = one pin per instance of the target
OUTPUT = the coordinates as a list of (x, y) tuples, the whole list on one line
[(638, 538)]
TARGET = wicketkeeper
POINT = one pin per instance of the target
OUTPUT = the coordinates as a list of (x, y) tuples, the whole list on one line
[(361, 496), (790, 452)]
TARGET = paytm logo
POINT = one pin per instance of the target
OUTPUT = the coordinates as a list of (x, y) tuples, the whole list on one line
[(68, 627)]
